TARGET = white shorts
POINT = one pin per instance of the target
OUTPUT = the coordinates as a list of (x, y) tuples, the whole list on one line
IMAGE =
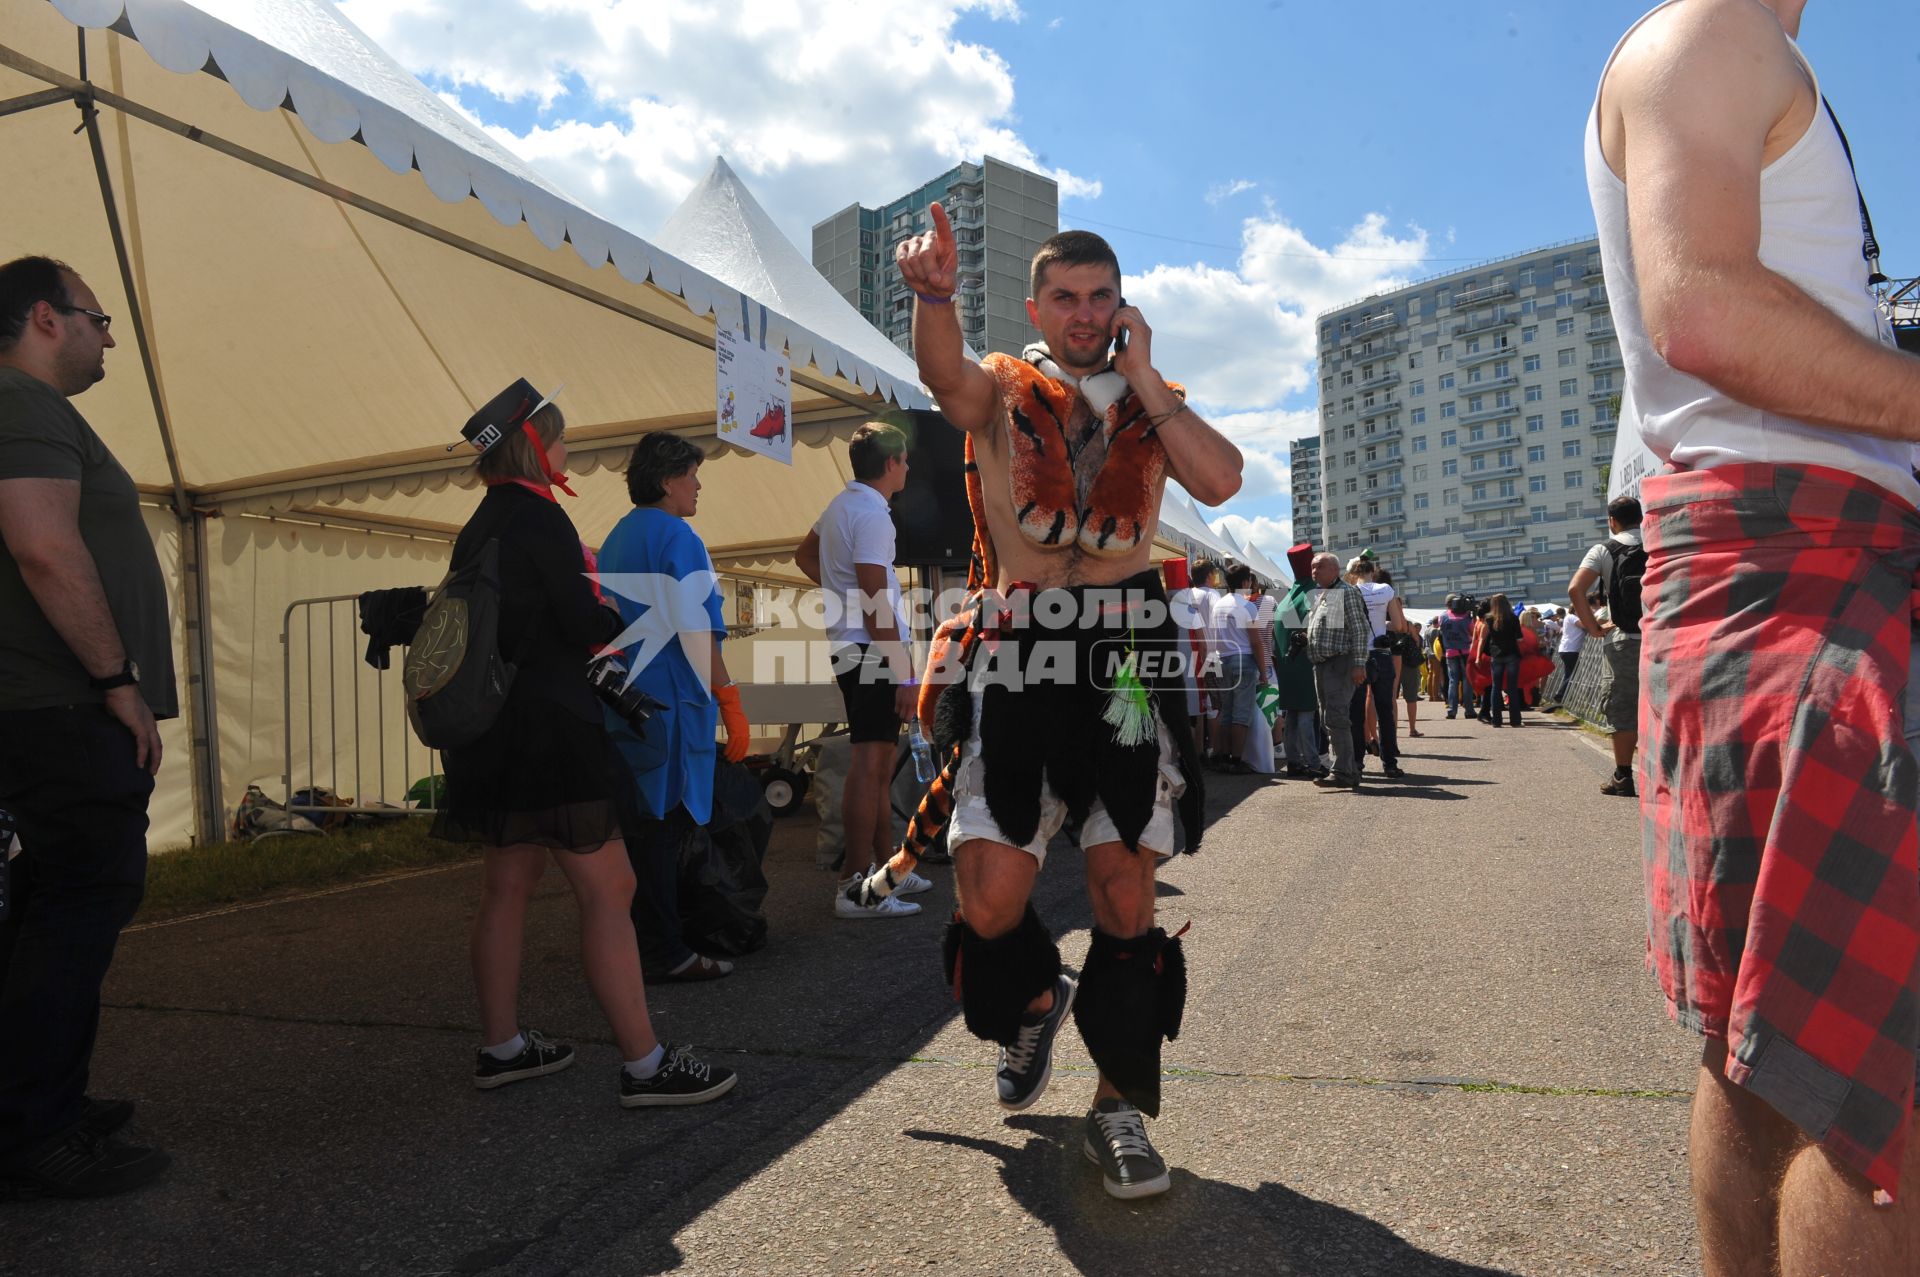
[(971, 819)]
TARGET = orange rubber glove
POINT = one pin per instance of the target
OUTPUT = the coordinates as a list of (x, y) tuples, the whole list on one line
[(734, 719)]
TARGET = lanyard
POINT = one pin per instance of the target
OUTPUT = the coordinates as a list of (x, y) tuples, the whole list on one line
[(1869, 246)]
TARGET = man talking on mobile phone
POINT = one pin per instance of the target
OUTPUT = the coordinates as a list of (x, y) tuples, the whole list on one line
[(1070, 707)]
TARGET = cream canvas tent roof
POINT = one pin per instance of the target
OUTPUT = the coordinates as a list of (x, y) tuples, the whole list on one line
[(333, 266), (318, 270)]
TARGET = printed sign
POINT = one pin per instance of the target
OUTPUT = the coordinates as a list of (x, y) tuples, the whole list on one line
[(753, 401), (1632, 459)]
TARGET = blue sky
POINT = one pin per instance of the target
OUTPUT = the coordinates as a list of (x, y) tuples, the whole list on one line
[(1463, 117), (1252, 163)]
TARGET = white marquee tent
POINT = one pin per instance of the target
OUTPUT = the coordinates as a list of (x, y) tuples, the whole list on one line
[(1257, 559), (319, 270)]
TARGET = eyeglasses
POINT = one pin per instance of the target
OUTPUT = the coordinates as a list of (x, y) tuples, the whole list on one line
[(100, 321)]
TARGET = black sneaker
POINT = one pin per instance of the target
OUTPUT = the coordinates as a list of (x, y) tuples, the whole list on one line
[(1117, 1143), (681, 1080), (537, 1058), (1392, 773), (79, 1162), (1027, 1065), (1620, 786)]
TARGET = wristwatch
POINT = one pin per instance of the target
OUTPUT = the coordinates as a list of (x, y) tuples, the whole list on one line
[(128, 676)]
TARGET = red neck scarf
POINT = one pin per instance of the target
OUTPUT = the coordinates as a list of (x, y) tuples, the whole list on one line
[(555, 479)]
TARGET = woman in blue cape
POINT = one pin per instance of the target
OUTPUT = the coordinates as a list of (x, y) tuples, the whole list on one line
[(656, 568)]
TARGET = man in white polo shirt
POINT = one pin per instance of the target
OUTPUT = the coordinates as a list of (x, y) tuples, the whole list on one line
[(849, 554)]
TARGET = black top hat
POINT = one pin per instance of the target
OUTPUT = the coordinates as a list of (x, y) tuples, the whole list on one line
[(502, 415)]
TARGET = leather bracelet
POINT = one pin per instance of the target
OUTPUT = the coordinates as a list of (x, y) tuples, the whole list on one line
[(934, 301)]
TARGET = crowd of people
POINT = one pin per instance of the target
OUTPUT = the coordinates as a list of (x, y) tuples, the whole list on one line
[(1326, 667), (1762, 582)]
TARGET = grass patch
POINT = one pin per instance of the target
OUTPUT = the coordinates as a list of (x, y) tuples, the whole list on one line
[(224, 873)]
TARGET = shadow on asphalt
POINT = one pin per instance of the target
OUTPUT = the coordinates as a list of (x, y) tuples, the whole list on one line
[(1199, 1225), (307, 1064)]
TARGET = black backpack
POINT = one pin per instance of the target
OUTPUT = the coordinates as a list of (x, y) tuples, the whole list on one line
[(1628, 564), (455, 678)]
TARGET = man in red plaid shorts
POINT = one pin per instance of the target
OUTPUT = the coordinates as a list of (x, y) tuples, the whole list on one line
[(1778, 784)]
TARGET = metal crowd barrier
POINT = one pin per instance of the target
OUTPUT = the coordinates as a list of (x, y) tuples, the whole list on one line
[(1580, 695), (345, 723)]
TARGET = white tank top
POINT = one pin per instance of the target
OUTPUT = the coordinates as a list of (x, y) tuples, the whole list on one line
[(1810, 234)]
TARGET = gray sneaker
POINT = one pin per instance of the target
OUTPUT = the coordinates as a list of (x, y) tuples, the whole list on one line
[(1117, 1143), (1027, 1065)]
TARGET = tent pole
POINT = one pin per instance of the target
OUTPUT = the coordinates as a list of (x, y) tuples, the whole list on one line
[(204, 724), (200, 712), (28, 101), (40, 71), (91, 119)]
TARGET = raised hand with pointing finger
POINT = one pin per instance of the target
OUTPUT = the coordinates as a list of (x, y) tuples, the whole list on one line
[(930, 262)]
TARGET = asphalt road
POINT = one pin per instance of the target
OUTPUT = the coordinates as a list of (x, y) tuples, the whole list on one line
[(1420, 1041)]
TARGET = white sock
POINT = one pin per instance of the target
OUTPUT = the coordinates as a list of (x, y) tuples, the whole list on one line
[(647, 1065), (510, 1048)]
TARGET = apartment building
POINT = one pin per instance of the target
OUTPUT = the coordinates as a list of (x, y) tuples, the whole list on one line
[(1001, 215), (1303, 460), (1467, 425)]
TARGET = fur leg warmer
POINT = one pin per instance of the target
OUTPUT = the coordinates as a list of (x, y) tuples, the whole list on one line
[(1132, 994), (994, 980)]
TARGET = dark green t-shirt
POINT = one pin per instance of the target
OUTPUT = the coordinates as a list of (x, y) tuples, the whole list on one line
[(43, 437)]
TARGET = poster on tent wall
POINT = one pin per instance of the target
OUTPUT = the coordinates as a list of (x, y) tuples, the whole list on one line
[(753, 400)]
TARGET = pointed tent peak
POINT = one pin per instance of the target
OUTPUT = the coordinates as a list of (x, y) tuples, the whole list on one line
[(720, 228)]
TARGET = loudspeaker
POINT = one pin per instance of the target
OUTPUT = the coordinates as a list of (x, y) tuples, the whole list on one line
[(932, 525)]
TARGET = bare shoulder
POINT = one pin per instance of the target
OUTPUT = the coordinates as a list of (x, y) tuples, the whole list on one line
[(1705, 45), (1703, 78)]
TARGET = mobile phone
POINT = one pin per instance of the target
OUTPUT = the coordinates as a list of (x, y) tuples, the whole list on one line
[(1120, 337)]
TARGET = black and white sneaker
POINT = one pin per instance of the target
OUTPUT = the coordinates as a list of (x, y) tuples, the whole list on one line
[(538, 1057), (1117, 1143), (681, 1080), (1027, 1065)]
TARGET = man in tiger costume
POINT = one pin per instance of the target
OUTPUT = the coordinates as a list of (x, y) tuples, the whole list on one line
[(1069, 706)]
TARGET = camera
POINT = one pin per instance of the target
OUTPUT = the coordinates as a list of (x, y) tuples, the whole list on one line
[(607, 676)]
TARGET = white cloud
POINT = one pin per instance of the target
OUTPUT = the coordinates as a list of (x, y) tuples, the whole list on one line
[(1272, 537), (1243, 339), (636, 97), (1220, 192), (1055, 24)]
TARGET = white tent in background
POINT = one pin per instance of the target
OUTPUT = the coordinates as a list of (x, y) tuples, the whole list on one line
[(319, 269), (1257, 559), (1181, 523), (721, 229)]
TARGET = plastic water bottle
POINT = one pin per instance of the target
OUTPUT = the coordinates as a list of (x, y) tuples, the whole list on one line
[(923, 768)]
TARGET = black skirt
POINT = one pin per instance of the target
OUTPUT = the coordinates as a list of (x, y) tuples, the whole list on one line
[(540, 775)]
